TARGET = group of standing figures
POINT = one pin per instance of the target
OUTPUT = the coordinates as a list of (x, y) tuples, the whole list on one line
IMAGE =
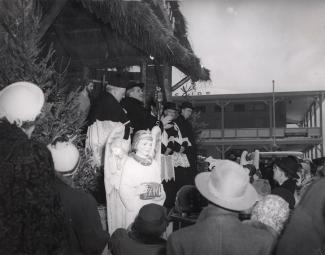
[(146, 159)]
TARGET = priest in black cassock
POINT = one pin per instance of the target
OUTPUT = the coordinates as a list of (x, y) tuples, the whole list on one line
[(133, 104), (105, 113)]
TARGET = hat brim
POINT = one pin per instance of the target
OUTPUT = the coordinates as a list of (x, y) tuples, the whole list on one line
[(187, 106), (287, 169), (241, 203), (149, 228)]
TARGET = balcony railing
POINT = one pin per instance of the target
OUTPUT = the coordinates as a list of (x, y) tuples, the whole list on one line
[(260, 132)]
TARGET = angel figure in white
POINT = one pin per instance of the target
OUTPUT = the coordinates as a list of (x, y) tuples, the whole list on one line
[(116, 154), (141, 177)]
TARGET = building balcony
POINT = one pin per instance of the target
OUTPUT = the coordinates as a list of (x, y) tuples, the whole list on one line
[(263, 133)]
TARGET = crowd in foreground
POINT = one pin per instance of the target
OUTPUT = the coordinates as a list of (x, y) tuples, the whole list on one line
[(41, 214)]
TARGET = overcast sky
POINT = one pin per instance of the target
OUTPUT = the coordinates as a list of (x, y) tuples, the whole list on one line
[(248, 43)]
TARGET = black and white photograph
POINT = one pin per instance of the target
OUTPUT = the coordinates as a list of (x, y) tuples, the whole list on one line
[(162, 127)]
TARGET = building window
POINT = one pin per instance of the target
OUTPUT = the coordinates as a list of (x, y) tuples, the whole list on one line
[(259, 107), (200, 108), (229, 108), (239, 108), (217, 108)]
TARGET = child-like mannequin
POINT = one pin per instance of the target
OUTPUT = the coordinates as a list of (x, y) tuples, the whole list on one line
[(141, 177)]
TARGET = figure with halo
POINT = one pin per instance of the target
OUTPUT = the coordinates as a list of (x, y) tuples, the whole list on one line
[(141, 177)]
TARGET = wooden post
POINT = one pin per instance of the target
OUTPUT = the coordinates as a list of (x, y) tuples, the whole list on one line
[(167, 81), (85, 73), (310, 117), (270, 118), (321, 98), (222, 120), (315, 114), (143, 69)]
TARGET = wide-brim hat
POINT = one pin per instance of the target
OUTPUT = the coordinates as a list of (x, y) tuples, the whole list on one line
[(288, 165), (187, 104), (151, 220), (133, 84), (65, 156), (21, 101), (227, 185)]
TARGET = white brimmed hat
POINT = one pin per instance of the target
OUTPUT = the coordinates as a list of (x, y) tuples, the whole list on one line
[(21, 101), (227, 185), (65, 156)]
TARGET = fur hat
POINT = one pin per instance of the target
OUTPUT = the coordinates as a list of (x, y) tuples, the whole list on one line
[(227, 185), (21, 101), (65, 156)]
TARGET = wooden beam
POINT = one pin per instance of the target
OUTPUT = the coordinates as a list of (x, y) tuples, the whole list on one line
[(180, 83), (51, 15), (166, 81)]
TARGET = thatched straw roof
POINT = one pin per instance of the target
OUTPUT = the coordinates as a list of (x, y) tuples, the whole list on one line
[(141, 25)]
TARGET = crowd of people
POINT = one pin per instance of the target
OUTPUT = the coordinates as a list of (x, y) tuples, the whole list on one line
[(147, 155)]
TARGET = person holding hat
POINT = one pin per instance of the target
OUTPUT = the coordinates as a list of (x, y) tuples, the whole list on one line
[(218, 229), (285, 174), (144, 237), (133, 104), (104, 116), (85, 232), (31, 214)]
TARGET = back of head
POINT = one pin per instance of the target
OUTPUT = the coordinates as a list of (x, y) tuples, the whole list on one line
[(65, 156), (272, 211), (151, 220), (227, 186), (21, 102), (289, 166)]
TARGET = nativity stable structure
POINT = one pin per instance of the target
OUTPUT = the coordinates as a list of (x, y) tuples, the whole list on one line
[(145, 38)]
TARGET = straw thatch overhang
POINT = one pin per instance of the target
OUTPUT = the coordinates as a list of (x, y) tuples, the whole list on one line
[(110, 33)]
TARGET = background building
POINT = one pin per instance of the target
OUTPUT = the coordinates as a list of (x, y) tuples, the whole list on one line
[(246, 121)]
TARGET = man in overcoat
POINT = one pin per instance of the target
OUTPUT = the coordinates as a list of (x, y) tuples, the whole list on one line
[(218, 229)]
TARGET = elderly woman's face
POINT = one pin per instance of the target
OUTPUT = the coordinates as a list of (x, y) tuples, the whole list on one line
[(144, 147)]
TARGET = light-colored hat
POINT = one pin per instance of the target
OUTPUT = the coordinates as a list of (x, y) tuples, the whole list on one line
[(21, 101), (65, 156), (273, 211), (227, 185)]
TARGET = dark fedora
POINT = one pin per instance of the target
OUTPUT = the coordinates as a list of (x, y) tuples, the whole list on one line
[(151, 220), (170, 105), (117, 79), (187, 104), (133, 84), (289, 165)]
